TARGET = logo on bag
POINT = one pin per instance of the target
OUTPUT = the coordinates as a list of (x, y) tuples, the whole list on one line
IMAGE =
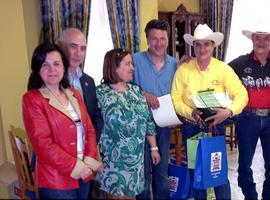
[(216, 161), (173, 183)]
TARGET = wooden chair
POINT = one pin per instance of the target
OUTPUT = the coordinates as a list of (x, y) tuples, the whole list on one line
[(22, 153), (176, 140), (230, 134)]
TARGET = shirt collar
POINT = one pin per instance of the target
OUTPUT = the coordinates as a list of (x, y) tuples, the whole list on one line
[(78, 72), (46, 93), (149, 56), (255, 57), (208, 67)]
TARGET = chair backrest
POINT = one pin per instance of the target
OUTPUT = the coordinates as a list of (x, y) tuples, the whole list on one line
[(22, 153)]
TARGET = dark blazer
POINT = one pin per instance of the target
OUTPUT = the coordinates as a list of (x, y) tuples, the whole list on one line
[(91, 102)]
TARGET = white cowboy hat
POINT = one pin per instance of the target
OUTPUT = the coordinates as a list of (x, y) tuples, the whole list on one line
[(203, 32), (259, 29)]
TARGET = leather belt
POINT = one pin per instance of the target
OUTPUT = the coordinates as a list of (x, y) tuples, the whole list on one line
[(186, 120), (262, 112), (77, 121)]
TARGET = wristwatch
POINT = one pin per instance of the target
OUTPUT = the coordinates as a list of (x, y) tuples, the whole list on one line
[(154, 148)]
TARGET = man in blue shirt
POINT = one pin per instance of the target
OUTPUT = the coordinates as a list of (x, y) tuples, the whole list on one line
[(153, 72)]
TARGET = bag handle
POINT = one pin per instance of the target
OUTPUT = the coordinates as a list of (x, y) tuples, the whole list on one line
[(214, 131)]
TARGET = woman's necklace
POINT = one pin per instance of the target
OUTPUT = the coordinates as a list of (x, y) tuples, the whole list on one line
[(61, 97)]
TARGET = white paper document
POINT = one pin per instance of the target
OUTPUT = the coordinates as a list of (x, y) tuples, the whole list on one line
[(211, 100), (165, 115)]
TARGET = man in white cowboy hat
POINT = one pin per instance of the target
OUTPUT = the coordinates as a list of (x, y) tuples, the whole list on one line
[(254, 122), (206, 73)]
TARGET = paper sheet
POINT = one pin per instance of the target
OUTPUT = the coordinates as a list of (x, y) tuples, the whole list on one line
[(165, 115)]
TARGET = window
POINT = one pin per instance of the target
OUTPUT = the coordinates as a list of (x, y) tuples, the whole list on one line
[(99, 40), (246, 15)]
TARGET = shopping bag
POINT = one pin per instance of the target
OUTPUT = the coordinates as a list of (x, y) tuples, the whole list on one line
[(211, 166), (180, 186), (192, 144)]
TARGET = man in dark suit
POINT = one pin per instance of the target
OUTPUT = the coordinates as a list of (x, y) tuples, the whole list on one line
[(73, 41)]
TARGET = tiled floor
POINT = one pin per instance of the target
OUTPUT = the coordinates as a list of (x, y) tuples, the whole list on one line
[(257, 167)]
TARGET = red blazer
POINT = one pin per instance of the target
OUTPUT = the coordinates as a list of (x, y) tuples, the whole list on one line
[(53, 135)]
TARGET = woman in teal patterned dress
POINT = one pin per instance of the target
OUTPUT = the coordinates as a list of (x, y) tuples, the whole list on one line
[(126, 125)]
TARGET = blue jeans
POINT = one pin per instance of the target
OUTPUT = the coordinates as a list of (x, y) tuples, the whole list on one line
[(78, 193), (222, 192), (160, 183), (249, 128)]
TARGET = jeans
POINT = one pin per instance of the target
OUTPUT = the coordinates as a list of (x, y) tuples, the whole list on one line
[(222, 192), (249, 129), (78, 193), (160, 183)]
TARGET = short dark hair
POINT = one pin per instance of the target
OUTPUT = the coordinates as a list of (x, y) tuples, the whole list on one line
[(157, 24), (38, 58), (112, 61)]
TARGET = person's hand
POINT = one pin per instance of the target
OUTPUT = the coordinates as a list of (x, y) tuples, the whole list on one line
[(151, 100), (184, 59), (196, 114), (99, 159), (101, 167), (85, 172), (155, 157), (220, 116)]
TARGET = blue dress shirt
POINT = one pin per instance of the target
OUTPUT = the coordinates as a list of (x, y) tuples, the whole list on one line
[(74, 81), (149, 78)]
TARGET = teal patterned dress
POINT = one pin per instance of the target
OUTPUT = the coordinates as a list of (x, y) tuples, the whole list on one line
[(126, 123)]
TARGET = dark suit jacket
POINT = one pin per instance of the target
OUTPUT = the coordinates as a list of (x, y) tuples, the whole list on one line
[(91, 102)]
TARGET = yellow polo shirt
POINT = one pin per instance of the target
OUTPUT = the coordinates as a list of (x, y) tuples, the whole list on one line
[(218, 76)]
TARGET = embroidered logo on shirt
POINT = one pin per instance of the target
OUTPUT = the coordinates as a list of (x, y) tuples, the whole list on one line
[(215, 82), (248, 70)]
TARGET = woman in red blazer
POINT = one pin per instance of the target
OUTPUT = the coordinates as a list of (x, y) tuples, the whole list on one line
[(58, 127)]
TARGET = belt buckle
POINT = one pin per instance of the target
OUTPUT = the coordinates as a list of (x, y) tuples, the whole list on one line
[(262, 112)]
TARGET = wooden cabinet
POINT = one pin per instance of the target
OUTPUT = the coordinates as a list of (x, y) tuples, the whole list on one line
[(181, 22)]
